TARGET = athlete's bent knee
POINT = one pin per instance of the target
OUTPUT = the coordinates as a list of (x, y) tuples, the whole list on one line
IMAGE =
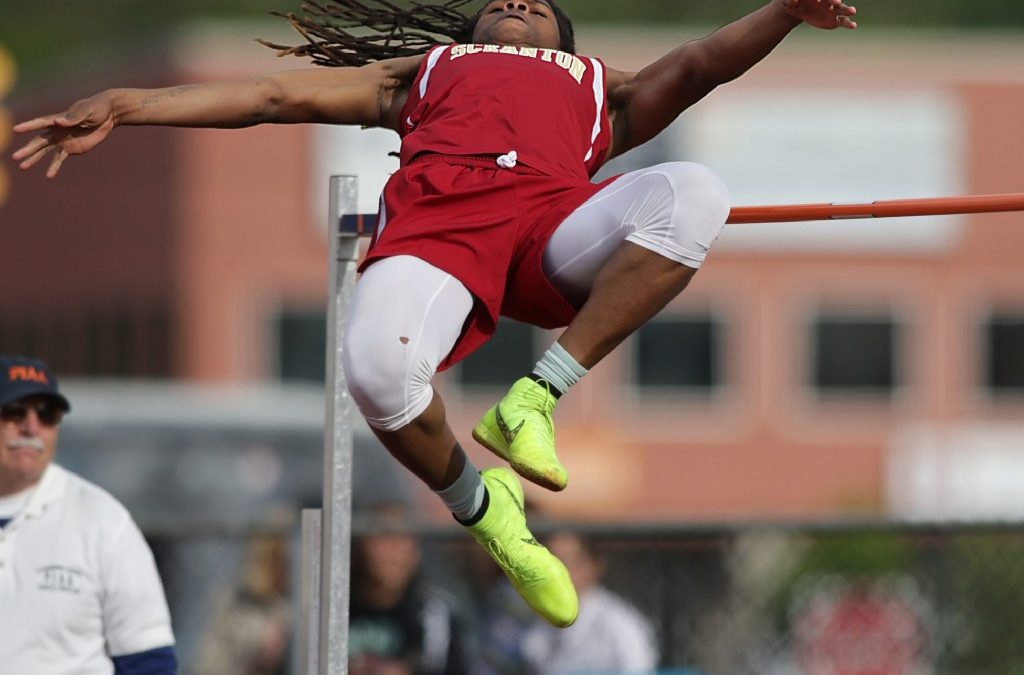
[(701, 188), (689, 205), (701, 208), (405, 317), (388, 383)]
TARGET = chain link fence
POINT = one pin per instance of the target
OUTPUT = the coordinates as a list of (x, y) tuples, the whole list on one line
[(821, 599)]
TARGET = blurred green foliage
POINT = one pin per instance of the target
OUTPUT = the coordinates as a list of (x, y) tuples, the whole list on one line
[(854, 557), (975, 579), (857, 556), (985, 583), (48, 34)]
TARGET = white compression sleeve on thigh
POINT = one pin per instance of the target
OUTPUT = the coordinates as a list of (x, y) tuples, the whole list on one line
[(405, 318), (689, 218), (675, 209)]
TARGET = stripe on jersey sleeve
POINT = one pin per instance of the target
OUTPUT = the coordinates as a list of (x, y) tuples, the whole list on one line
[(382, 217), (599, 101), (431, 62)]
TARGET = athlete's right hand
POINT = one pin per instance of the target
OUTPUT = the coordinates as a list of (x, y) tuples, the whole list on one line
[(77, 130)]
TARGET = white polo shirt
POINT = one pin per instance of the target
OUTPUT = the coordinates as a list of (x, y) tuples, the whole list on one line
[(78, 583), (610, 636)]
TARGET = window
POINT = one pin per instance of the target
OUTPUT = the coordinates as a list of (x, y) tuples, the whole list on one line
[(110, 341), (301, 348), (301, 345), (504, 359), (683, 352), (854, 354), (1003, 368)]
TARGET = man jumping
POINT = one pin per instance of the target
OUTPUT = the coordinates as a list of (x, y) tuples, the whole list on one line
[(491, 213)]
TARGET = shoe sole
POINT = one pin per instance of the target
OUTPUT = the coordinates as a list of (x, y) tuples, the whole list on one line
[(482, 436)]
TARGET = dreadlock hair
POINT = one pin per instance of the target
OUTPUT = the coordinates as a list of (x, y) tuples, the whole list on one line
[(357, 32)]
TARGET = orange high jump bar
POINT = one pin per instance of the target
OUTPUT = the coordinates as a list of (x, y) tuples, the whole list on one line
[(932, 206), (362, 224)]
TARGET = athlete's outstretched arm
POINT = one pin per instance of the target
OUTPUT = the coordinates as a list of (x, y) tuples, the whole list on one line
[(371, 95), (642, 104)]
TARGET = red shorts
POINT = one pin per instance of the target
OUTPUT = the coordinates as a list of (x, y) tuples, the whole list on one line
[(488, 228)]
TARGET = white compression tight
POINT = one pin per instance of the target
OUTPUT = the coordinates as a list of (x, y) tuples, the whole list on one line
[(407, 314), (405, 317), (676, 209)]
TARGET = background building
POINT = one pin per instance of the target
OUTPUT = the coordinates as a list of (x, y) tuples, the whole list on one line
[(811, 370), (865, 371)]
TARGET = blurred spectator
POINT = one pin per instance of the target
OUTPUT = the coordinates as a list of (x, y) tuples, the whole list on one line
[(250, 628), (79, 590), (610, 635), (501, 622), (399, 624)]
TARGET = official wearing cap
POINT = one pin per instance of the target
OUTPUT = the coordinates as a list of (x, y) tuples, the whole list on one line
[(79, 590)]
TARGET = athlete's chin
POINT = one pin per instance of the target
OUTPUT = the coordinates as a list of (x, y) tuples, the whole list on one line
[(512, 34)]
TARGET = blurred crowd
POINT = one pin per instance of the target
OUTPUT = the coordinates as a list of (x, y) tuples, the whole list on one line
[(403, 623)]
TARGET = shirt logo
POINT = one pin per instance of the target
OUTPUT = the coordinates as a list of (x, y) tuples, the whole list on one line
[(570, 63), (26, 374), (59, 579)]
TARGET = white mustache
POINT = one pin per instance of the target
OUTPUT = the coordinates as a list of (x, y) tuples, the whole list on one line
[(30, 443)]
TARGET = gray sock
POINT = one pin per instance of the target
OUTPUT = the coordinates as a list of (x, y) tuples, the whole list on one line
[(465, 496), (559, 368)]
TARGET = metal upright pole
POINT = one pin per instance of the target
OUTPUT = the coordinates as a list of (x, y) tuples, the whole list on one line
[(309, 616), (337, 499)]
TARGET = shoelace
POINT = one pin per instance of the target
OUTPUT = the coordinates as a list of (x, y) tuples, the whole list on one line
[(540, 397), (526, 575)]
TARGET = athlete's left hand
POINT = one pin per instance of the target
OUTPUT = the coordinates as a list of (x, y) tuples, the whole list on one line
[(827, 14)]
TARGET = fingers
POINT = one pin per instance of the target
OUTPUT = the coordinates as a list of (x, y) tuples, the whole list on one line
[(825, 14), (840, 14), (68, 118), (842, 9), (36, 150), (34, 158), (29, 148), (39, 123), (40, 153), (56, 163), (843, 14)]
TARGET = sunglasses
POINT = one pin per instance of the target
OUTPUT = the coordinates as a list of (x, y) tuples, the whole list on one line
[(48, 413)]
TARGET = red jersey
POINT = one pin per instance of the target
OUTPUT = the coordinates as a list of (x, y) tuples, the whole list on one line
[(546, 105), (498, 146)]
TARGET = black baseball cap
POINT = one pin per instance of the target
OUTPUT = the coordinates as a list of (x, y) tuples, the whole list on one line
[(21, 376)]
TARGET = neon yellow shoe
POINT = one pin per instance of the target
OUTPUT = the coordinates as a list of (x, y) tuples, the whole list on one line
[(537, 575), (520, 430)]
